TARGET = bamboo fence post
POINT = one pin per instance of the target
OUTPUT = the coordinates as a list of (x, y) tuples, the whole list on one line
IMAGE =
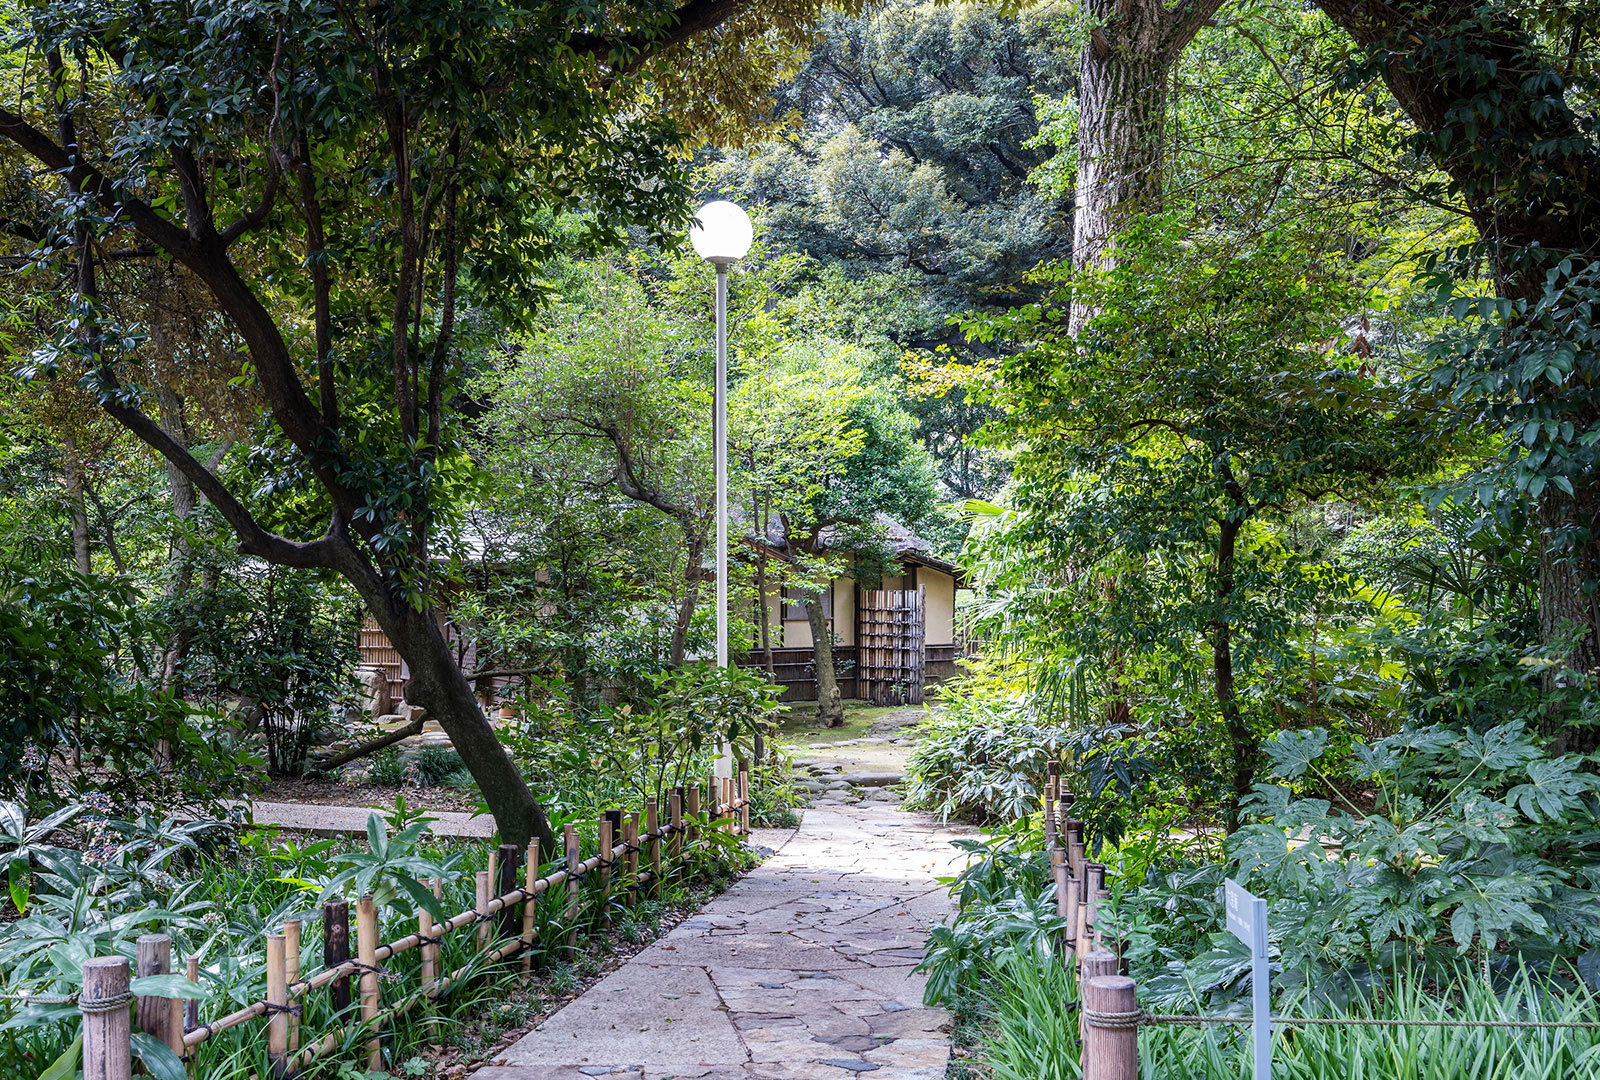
[(429, 969), (1052, 811), (367, 954), (336, 950), (675, 818), (510, 856), (277, 1006), (191, 1008), (630, 861), (291, 974), (727, 801), (693, 810), (714, 791), (107, 1027), (1058, 874), (1069, 909), (1049, 815), (1111, 1035), (605, 868), (1075, 848), (157, 1015), (652, 824), (570, 838), (481, 906), (530, 908), (744, 799)]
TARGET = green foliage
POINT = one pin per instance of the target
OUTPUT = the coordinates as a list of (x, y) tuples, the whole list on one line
[(1034, 1038), (980, 756)]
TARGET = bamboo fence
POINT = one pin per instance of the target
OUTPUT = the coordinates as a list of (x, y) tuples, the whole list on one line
[(107, 1023)]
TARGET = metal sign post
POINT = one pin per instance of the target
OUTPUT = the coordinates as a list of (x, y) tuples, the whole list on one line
[(1247, 921)]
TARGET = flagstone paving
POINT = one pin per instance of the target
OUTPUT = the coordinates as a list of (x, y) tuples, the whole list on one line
[(801, 971)]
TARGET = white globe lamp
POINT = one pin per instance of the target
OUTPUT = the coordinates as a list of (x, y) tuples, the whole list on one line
[(721, 233)]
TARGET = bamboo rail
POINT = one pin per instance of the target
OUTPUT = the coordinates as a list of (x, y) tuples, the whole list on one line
[(280, 1003)]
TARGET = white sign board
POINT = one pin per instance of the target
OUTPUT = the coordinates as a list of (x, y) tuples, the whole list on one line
[(1247, 921)]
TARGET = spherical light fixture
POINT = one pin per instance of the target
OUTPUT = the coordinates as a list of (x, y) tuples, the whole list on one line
[(721, 233)]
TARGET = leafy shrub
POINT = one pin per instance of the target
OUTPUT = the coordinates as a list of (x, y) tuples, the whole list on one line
[(1476, 843), (436, 764), (980, 757), (1033, 1037), (386, 768)]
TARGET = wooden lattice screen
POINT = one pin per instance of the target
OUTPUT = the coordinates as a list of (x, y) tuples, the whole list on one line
[(377, 652), (893, 632)]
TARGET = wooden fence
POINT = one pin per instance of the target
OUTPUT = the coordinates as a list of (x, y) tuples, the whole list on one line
[(1108, 1010), (108, 1023)]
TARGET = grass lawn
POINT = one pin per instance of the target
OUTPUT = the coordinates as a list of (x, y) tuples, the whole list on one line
[(798, 723)]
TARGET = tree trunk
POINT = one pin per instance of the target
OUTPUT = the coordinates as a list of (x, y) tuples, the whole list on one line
[(1493, 111), (1241, 742), (180, 555), (830, 703), (1122, 119), (77, 505), (439, 686)]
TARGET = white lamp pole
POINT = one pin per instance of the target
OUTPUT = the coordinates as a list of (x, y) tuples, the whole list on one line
[(721, 235)]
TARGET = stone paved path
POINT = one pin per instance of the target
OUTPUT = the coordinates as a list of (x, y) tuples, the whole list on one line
[(800, 971)]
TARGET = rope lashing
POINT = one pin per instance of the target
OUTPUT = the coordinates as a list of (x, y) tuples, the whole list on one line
[(96, 1006), (1117, 1021), (289, 1010), (1093, 1017)]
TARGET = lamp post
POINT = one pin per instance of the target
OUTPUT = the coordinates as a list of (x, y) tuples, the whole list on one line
[(721, 235)]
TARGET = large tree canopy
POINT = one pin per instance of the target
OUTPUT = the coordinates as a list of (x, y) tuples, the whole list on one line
[(356, 192)]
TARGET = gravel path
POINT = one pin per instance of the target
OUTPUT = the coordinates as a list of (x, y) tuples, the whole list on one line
[(338, 820), (800, 971)]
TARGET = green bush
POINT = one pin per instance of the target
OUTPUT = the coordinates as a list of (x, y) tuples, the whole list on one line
[(386, 768), (435, 765), (981, 758)]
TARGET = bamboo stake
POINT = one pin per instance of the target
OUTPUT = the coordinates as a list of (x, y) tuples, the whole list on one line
[(191, 1008), (291, 975), (1050, 815), (675, 819), (744, 799), (1069, 910), (277, 1003), (530, 908), (630, 861), (481, 906), (429, 972), (652, 825), (1092, 965), (505, 885), (367, 954), (693, 810), (336, 950), (605, 869), (570, 836)]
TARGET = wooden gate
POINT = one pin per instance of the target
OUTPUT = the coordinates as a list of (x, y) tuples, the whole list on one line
[(891, 642)]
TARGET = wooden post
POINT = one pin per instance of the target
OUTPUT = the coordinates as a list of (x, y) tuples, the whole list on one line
[(675, 818), (481, 906), (277, 1004), (1094, 890), (367, 954), (505, 885), (569, 836), (291, 975), (1091, 964), (714, 791), (744, 797), (1111, 1035), (430, 970), (157, 1016), (652, 823), (727, 801), (605, 868), (107, 1027), (1075, 848), (530, 907), (336, 950), (693, 810)]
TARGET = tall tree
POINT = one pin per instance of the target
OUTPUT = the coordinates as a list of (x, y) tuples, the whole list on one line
[(1124, 78), (1501, 95), (343, 180)]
